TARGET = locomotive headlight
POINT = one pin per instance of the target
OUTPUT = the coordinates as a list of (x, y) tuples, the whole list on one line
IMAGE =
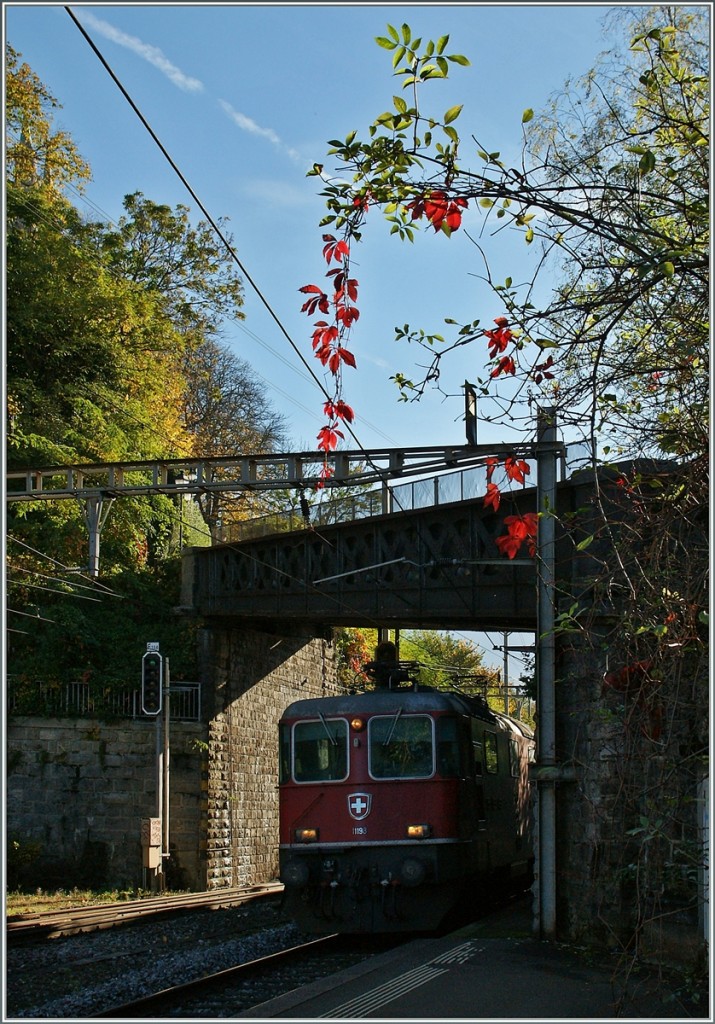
[(306, 835), (357, 724), (419, 831)]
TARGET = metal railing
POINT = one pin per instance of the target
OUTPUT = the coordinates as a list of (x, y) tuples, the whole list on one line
[(78, 700), (459, 485)]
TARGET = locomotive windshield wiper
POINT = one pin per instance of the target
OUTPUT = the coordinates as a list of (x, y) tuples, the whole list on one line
[(325, 726), (392, 728)]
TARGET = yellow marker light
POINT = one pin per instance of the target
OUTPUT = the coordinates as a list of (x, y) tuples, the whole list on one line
[(306, 835), (419, 831), (357, 724)]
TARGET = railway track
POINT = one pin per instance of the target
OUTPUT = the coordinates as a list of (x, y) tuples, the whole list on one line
[(56, 923), (226, 985)]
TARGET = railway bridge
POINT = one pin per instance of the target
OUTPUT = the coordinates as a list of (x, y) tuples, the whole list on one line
[(430, 565)]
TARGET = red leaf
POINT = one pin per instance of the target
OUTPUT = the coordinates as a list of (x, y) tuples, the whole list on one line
[(335, 249), (508, 545), (319, 301), (344, 412), (346, 356), (492, 462), (506, 365), (328, 438), (498, 340), (493, 497), (347, 315), (519, 529), (516, 470), (339, 410)]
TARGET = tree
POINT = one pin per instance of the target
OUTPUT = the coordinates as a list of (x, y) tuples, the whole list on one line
[(193, 273), (111, 347), (34, 152), (448, 662), (226, 412), (611, 329), (613, 187)]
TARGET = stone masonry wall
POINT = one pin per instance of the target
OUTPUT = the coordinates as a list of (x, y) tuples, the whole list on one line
[(77, 790), (254, 676)]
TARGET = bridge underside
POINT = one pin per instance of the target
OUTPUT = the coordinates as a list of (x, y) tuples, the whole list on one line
[(433, 568)]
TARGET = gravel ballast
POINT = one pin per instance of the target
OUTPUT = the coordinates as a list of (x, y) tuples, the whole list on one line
[(90, 973)]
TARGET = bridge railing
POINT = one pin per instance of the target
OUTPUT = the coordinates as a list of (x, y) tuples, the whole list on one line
[(457, 485)]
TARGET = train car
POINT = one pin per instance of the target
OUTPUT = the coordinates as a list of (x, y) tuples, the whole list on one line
[(397, 805)]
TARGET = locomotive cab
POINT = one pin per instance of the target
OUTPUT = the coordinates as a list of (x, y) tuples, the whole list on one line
[(397, 804)]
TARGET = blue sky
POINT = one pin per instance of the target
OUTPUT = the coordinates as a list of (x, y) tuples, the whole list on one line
[(245, 97)]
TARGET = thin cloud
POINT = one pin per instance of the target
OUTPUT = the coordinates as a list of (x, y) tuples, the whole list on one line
[(247, 124), (149, 53), (278, 193)]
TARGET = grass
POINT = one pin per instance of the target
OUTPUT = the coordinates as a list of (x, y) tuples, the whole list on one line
[(39, 901)]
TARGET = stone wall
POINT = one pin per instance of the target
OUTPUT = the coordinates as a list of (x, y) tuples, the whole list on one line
[(631, 742), (253, 677), (77, 790)]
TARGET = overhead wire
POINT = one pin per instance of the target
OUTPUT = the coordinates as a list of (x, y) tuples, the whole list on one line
[(55, 222), (229, 249), (199, 203)]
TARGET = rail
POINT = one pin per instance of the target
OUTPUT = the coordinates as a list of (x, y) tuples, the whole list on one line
[(51, 924)]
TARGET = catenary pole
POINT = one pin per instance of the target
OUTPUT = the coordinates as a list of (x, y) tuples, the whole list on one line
[(545, 922)]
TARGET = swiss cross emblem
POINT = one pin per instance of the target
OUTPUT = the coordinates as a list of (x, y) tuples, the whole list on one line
[(359, 805)]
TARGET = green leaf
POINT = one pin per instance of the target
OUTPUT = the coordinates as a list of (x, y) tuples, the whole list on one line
[(527, 115), (457, 58), (667, 268), (453, 113), (400, 104), (647, 162), (386, 44), (582, 545)]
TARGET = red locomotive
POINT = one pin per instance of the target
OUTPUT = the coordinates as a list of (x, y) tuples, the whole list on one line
[(398, 804)]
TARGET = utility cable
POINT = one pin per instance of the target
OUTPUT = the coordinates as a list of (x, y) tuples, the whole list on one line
[(198, 202), (208, 216)]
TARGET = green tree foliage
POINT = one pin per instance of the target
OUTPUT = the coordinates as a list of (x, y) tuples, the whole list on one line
[(442, 660), (112, 355), (94, 636)]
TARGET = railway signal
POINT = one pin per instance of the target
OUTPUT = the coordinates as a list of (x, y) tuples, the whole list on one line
[(152, 679)]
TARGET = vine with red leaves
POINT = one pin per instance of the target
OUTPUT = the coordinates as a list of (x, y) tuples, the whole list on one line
[(329, 339), (329, 346)]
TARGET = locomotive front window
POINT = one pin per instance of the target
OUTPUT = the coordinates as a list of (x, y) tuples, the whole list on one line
[(401, 747), (320, 750)]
